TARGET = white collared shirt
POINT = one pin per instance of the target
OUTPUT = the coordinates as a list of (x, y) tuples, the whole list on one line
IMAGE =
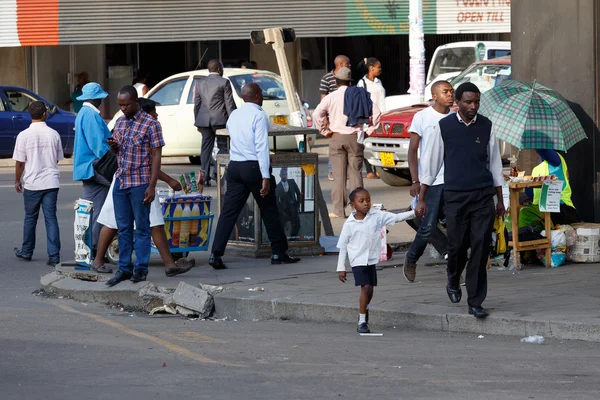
[(360, 240), (90, 105), (434, 161)]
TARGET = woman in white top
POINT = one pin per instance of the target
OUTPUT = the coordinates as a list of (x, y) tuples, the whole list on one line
[(139, 83), (373, 85)]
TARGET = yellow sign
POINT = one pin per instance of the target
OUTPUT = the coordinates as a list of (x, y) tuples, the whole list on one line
[(387, 159), (280, 120)]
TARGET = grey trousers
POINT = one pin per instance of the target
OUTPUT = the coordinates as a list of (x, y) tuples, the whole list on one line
[(95, 190), (346, 156)]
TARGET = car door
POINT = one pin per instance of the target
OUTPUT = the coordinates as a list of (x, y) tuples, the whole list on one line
[(168, 98), (6, 128), (189, 137), (17, 101)]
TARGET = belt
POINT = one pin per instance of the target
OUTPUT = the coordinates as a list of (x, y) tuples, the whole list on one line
[(344, 134)]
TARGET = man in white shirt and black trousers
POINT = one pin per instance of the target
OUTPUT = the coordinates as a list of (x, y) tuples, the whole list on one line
[(249, 172), (472, 176)]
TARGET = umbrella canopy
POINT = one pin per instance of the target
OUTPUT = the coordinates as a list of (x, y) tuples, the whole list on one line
[(531, 116)]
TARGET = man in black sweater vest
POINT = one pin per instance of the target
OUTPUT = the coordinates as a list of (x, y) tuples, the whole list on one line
[(472, 176)]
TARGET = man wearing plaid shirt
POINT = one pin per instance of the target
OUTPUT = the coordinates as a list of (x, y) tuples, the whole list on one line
[(137, 140)]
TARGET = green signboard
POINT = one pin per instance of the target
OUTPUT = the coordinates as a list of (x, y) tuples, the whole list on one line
[(385, 17)]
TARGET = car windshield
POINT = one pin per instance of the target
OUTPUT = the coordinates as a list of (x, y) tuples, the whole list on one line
[(485, 76), (271, 85), (452, 60)]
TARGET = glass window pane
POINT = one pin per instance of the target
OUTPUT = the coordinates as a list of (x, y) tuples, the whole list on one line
[(271, 85), (453, 60), (192, 93), (18, 100), (170, 93)]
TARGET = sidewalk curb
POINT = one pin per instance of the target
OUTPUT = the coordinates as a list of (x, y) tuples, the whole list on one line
[(237, 304), (232, 306)]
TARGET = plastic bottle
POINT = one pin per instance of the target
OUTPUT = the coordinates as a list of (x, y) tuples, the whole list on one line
[(184, 235), (175, 237), (195, 212)]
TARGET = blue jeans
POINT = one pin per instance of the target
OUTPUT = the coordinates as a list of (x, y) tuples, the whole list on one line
[(47, 200), (433, 201), (129, 207)]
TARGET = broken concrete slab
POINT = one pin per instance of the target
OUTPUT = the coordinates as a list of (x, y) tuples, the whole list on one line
[(155, 296), (194, 298), (186, 312)]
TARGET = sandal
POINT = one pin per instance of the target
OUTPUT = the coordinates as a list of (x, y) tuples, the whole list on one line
[(102, 269)]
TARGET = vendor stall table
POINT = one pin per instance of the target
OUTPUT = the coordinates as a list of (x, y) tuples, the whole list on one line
[(515, 188), (249, 238)]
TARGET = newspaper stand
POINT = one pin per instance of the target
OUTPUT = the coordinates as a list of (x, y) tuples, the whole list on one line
[(303, 230)]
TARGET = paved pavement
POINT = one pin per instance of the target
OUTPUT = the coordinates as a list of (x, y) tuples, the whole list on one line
[(554, 302)]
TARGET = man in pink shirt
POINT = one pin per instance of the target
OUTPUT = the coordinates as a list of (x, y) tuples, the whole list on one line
[(344, 149)]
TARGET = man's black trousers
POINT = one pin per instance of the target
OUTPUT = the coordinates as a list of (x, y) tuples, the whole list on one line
[(208, 143), (469, 222), (243, 178)]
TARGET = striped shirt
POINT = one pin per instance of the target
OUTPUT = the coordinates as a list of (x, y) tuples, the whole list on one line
[(328, 84), (136, 137)]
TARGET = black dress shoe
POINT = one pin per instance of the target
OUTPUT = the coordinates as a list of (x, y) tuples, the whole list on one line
[(120, 276), (284, 259), (454, 294), (478, 312), (138, 276), (20, 254), (216, 262)]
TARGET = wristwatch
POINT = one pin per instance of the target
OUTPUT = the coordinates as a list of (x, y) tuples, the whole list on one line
[(416, 182)]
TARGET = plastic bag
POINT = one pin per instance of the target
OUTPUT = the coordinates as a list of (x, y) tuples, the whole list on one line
[(559, 249), (498, 237)]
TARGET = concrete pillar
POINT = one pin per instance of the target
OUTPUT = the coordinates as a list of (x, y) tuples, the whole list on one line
[(265, 58), (556, 43), (13, 66)]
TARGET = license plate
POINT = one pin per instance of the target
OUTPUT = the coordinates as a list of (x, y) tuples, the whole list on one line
[(387, 159), (280, 120)]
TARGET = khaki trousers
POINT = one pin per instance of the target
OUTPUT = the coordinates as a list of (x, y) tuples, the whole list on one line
[(346, 157)]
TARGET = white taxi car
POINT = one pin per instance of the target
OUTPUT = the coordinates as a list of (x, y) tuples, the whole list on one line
[(175, 107)]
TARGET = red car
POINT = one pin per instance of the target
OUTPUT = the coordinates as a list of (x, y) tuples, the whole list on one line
[(387, 148)]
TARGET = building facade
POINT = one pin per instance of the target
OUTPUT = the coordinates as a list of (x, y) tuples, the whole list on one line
[(45, 43)]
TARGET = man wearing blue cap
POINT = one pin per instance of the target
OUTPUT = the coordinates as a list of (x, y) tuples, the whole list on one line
[(91, 144)]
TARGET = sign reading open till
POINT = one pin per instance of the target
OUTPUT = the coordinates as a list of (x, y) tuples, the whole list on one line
[(550, 196)]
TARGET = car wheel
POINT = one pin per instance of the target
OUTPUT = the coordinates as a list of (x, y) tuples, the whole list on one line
[(112, 254), (394, 177), (195, 160)]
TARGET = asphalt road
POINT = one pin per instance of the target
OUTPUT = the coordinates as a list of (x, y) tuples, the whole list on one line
[(60, 349)]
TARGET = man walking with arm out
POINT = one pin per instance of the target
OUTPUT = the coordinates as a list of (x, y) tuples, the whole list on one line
[(249, 172), (137, 141), (472, 176), (424, 133), (38, 150)]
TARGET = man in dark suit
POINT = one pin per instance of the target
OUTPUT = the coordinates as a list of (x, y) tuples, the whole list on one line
[(213, 104), (249, 172), (288, 201)]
